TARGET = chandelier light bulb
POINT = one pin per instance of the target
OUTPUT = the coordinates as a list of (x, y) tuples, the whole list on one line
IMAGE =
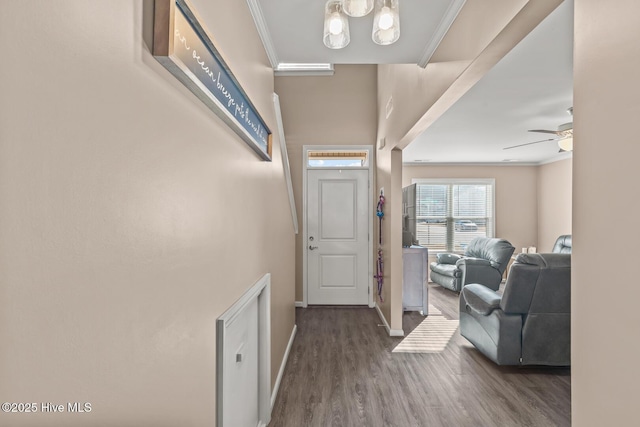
[(386, 22), (335, 24), (386, 19)]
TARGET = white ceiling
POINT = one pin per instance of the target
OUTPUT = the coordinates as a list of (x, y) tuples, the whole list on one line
[(295, 28), (531, 88)]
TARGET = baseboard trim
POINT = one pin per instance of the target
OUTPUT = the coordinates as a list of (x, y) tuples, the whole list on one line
[(276, 386), (299, 304), (391, 332)]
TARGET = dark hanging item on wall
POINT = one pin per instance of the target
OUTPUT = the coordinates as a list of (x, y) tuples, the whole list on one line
[(380, 214), (379, 276)]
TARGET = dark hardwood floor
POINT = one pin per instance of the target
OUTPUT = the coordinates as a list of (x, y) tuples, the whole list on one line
[(341, 372)]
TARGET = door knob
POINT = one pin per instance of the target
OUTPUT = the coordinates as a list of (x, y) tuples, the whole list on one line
[(312, 247)]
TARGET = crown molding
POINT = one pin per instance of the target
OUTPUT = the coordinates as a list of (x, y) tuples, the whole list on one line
[(492, 164), (559, 157), (295, 69), (263, 31), (445, 23), (562, 156)]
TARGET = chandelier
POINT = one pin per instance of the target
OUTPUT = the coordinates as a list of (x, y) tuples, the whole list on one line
[(386, 21)]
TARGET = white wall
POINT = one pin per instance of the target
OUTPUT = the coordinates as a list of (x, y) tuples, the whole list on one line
[(131, 216)]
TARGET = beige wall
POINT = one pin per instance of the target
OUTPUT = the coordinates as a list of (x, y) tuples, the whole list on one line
[(325, 110), (394, 239), (605, 315), (389, 178), (516, 196), (383, 181), (132, 217), (554, 203)]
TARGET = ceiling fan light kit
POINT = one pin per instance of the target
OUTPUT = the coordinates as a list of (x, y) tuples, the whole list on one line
[(565, 132), (386, 21), (564, 136), (566, 144)]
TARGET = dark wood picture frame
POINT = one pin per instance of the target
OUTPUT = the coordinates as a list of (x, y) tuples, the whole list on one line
[(182, 46)]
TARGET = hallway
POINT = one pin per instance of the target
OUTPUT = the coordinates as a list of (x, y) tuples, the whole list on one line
[(341, 372)]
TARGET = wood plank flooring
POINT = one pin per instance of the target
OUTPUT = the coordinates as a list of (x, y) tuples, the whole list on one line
[(341, 372)]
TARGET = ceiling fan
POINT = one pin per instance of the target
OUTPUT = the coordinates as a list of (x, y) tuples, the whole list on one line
[(564, 136)]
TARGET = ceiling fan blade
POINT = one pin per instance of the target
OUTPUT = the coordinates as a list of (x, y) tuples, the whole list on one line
[(529, 143), (555, 132)]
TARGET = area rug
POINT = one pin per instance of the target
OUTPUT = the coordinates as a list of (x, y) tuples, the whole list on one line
[(431, 336)]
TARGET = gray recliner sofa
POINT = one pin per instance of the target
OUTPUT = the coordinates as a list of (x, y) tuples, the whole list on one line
[(562, 245), (530, 323), (483, 262)]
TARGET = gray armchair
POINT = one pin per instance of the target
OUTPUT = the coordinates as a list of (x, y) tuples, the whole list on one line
[(562, 245), (530, 323), (483, 262)]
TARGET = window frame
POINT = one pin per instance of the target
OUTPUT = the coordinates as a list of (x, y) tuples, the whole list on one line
[(336, 153), (450, 218)]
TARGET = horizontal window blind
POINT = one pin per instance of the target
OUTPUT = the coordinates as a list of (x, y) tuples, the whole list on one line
[(449, 214)]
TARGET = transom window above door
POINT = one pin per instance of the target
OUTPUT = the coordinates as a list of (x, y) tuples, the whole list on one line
[(337, 159)]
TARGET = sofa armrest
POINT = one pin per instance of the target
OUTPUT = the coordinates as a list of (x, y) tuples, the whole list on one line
[(481, 271), (481, 299), (446, 258), (474, 261)]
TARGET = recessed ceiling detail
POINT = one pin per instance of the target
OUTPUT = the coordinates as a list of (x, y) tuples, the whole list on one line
[(291, 31), (530, 88)]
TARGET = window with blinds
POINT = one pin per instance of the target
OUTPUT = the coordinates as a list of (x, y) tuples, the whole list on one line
[(451, 213)]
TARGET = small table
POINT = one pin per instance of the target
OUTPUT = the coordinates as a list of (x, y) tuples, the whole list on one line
[(415, 276)]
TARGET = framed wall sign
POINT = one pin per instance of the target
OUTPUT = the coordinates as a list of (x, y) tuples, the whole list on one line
[(181, 45)]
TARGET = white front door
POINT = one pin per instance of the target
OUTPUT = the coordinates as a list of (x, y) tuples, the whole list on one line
[(337, 236)]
